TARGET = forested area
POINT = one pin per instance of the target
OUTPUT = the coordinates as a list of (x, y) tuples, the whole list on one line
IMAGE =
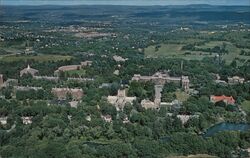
[(53, 134)]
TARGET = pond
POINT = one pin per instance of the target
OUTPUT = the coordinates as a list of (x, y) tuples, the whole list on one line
[(226, 127)]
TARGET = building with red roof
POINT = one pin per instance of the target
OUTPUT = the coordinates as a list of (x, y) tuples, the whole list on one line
[(226, 99)]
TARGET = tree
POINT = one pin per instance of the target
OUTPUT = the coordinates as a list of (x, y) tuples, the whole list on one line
[(220, 104), (7, 93), (127, 109)]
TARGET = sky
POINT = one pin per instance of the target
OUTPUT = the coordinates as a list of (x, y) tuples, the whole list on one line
[(124, 2)]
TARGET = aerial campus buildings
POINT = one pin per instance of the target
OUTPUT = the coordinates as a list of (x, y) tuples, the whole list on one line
[(163, 77)]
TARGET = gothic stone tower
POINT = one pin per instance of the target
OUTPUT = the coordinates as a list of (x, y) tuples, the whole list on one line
[(185, 82), (1, 80)]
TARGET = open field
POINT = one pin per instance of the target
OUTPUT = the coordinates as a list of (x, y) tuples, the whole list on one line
[(246, 106), (212, 44), (181, 96), (175, 51), (38, 58), (80, 72)]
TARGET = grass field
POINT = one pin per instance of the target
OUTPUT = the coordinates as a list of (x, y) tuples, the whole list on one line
[(174, 51), (38, 58), (246, 106), (181, 96), (80, 72), (212, 44)]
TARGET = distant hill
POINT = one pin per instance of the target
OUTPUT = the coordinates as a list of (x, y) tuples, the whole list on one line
[(169, 14)]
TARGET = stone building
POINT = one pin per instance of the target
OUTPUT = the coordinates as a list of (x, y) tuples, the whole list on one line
[(29, 50), (27, 120), (63, 93), (3, 120), (185, 82), (67, 68), (73, 67), (80, 79), (147, 104), (235, 80), (1, 80), (158, 90), (28, 70), (120, 100), (86, 63), (27, 88), (49, 78), (10, 82), (162, 78)]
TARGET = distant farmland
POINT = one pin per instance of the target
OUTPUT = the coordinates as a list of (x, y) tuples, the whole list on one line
[(175, 51), (38, 58)]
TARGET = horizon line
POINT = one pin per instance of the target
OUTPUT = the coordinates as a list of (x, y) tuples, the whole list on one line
[(131, 5), (123, 2)]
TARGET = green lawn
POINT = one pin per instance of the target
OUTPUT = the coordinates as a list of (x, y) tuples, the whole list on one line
[(181, 96), (80, 72), (174, 51), (246, 106), (212, 44), (38, 58), (164, 50)]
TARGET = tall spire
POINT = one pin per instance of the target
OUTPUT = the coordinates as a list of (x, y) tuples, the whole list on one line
[(182, 67)]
